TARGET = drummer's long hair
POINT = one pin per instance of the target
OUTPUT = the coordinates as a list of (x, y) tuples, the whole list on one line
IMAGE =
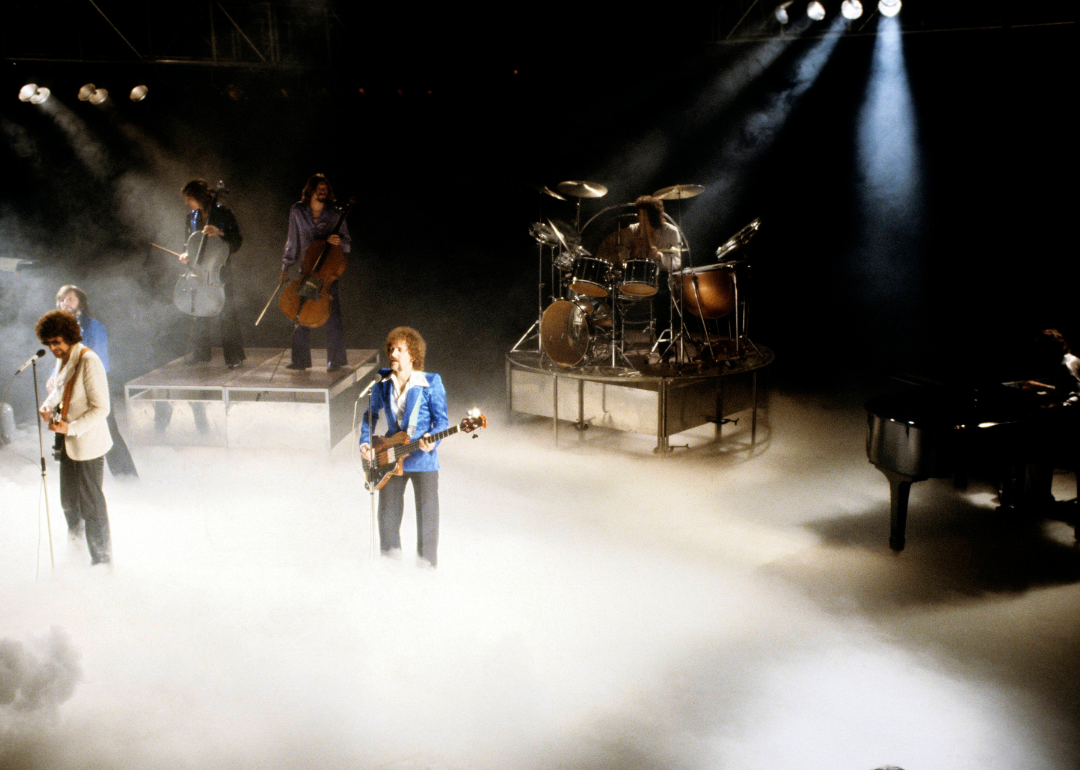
[(309, 188), (653, 208), (414, 343)]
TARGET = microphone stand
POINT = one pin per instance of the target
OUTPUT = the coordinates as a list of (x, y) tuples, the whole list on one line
[(367, 391), (41, 452)]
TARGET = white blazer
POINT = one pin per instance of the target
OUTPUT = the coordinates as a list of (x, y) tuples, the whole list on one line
[(88, 433)]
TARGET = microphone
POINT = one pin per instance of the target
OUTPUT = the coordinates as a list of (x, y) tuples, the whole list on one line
[(372, 384), (31, 360)]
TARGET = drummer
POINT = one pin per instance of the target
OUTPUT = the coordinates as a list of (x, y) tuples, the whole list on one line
[(653, 236)]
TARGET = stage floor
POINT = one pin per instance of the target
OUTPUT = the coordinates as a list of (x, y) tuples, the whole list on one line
[(261, 404)]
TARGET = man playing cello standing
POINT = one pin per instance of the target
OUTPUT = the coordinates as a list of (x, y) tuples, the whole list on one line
[(311, 219)]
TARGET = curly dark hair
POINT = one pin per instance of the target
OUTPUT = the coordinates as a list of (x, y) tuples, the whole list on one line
[(653, 208), (312, 183), (199, 189), (58, 323), (84, 303), (414, 343)]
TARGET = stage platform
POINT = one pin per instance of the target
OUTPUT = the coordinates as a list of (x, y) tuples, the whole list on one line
[(650, 400), (260, 404)]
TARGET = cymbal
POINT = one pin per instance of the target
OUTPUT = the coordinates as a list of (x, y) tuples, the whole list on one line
[(739, 240), (548, 191), (564, 234), (679, 192), (582, 189)]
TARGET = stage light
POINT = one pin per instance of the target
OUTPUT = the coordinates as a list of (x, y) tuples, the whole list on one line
[(99, 96), (889, 7), (40, 96), (86, 92), (138, 93), (781, 12), (815, 11), (26, 93), (851, 9)]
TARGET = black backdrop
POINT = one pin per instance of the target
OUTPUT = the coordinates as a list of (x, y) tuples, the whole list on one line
[(443, 183)]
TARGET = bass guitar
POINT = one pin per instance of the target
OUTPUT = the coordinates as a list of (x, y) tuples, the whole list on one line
[(389, 452)]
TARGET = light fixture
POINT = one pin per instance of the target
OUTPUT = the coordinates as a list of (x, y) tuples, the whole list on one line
[(99, 96), (86, 92), (26, 93), (815, 11), (138, 93), (781, 12), (889, 7), (40, 96), (851, 9)]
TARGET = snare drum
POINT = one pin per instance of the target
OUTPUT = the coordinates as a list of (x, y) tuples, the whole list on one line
[(709, 291), (641, 278), (590, 276)]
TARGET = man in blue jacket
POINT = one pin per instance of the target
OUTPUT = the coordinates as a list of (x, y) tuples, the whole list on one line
[(94, 336), (414, 401)]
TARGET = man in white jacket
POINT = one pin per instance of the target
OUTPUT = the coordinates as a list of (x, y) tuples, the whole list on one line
[(77, 409)]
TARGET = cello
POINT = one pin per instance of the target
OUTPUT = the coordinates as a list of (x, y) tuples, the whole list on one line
[(200, 291), (306, 300)]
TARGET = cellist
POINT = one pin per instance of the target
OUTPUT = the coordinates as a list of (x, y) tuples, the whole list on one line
[(310, 219), (206, 214)]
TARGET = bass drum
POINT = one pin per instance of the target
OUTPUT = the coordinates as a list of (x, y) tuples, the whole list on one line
[(708, 292), (566, 330)]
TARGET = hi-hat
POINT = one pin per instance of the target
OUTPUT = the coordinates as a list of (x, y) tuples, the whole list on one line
[(583, 189), (679, 192)]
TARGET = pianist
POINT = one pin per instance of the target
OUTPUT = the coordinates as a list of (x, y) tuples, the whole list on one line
[(1054, 368)]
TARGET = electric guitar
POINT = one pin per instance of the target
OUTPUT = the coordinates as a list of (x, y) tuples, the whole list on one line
[(389, 452)]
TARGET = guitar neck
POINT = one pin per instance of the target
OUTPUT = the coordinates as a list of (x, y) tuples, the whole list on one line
[(415, 444)]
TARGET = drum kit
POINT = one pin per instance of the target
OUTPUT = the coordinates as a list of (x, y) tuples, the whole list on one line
[(600, 309)]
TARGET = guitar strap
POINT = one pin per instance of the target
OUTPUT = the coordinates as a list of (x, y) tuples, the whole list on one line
[(414, 415), (70, 386)]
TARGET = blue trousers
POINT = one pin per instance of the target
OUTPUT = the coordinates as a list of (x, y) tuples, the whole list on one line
[(335, 337)]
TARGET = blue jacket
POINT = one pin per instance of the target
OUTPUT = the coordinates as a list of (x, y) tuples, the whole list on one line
[(427, 395), (95, 337)]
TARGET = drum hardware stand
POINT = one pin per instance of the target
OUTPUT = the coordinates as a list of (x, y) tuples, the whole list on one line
[(536, 324)]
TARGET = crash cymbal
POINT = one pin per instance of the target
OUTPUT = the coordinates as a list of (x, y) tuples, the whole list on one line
[(582, 189), (738, 240), (564, 233), (548, 191), (679, 192)]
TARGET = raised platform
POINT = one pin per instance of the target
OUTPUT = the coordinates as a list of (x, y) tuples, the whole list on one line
[(650, 401), (260, 404)]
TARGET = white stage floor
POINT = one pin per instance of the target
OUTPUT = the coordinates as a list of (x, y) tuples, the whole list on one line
[(595, 607)]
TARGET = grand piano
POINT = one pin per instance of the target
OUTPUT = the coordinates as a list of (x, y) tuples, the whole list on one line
[(936, 431)]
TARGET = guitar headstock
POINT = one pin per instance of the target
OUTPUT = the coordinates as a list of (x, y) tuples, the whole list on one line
[(474, 421)]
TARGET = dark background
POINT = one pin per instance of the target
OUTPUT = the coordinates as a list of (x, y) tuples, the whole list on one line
[(443, 126)]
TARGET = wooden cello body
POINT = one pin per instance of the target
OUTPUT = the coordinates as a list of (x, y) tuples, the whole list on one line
[(200, 290), (307, 300)]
